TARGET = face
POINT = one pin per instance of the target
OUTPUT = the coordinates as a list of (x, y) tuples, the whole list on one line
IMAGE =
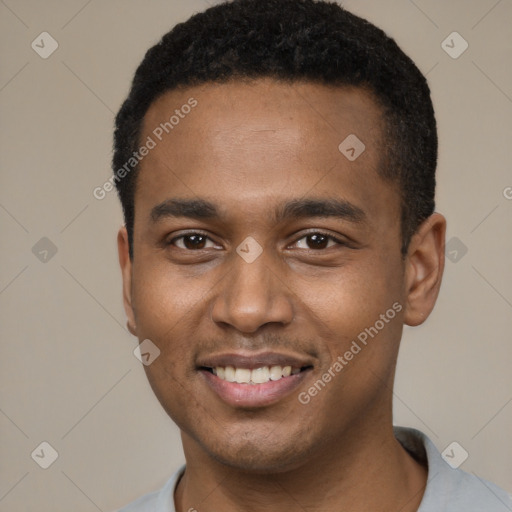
[(260, 249)]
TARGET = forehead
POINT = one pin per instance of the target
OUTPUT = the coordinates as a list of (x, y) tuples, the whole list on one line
[(246, 107), (250, 143)]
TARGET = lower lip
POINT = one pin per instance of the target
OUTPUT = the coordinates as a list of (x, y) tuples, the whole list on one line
[(254, 395)]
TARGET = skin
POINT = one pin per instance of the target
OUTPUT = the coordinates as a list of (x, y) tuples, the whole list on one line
[(249, 148)]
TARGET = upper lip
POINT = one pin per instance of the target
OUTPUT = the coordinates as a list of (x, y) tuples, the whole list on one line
[(252, 361)]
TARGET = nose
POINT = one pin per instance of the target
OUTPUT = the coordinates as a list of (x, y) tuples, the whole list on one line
[(252, 295)]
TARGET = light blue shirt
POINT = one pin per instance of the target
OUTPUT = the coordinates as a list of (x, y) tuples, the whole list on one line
[(448, 490)]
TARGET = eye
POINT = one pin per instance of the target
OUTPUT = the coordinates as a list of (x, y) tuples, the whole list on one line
[(192, 241), (198, 241), (317, 241)]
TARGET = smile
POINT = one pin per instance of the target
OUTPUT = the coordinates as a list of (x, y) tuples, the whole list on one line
[(244, 380), (255, 376)]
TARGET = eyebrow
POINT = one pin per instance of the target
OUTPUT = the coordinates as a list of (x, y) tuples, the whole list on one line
[(201, 209)]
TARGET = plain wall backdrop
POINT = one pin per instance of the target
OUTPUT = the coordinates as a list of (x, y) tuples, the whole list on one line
[(68, 373)]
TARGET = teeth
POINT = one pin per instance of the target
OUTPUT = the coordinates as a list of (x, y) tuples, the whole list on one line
[(276, 372), (242, 375), (260, 375), (229, 373), (256, 376)]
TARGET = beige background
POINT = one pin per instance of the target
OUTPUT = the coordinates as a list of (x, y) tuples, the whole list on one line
[(68, 375)]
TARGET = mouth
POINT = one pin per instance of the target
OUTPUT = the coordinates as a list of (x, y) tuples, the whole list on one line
[(253, 381), (254, 376)]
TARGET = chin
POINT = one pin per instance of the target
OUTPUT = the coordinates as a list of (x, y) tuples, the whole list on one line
[(260, 454)]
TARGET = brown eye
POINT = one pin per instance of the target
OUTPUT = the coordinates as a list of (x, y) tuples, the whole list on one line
[(193, 241), (317, 241)]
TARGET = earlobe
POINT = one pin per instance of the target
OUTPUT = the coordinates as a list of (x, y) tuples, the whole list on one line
[(424, 269), (125, 263), (131, 328)]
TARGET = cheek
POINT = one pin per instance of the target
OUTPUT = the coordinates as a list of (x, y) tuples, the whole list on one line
[(358, 318), (357, 314), (350, 298), (164, 301), (166, 310)]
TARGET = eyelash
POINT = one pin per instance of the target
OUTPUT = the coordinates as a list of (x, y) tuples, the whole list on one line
[(327, 235)]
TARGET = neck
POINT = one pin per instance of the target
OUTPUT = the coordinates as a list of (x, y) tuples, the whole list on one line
[(367, 469)]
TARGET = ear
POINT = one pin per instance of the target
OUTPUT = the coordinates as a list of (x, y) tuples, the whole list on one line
[(123, 248), (424, 268)]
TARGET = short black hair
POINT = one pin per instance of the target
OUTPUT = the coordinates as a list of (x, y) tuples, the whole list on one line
[(293, 41)]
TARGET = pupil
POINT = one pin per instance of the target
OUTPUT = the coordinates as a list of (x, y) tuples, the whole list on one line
[(194, 241), (318, 241)]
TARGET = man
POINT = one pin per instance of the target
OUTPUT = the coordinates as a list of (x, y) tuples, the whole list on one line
[(275, 161)]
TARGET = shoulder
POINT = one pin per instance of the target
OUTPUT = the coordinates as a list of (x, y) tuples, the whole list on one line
[(157, 501), (451, 489)]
